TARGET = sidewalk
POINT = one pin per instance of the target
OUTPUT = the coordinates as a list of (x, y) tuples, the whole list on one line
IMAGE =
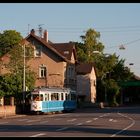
[(12, 116)]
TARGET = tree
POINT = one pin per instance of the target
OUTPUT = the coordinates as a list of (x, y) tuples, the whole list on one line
[(120, 72), (8, 39), (112, 91), (103, 64), (91, 43), (80, 49), (12, 83)]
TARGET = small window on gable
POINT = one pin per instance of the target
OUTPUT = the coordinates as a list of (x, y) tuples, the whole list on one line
[(66, 52), (38, 49)]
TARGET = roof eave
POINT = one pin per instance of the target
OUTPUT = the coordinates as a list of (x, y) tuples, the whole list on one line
[(49, 46)]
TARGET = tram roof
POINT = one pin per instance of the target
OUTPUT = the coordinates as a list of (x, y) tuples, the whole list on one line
[(52, 89)]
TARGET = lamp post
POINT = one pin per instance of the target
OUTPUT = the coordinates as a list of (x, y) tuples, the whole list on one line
[(105, 86), (23, 78), (104, 75)]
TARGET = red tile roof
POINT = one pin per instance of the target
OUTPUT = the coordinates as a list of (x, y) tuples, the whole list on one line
[(84, 68), (48, 45), (65, 49)]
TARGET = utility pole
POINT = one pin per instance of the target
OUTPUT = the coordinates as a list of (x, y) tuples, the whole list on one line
[(28, 29)]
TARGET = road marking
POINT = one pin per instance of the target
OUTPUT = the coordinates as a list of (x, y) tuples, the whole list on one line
[(133, 122), (28, 124), (3, 122), (79, 124), (104, 115), (71, 120), (114, 121), (40, 134), (95, 118), (88, 121), (62, 128), (110, 120)]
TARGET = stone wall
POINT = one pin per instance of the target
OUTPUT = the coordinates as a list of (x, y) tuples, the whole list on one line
[(7, 110)]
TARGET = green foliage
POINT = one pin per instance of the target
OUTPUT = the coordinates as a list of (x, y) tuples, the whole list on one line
[(16, 63), (112, 91), (104, 65), (91, 43), (12, 83), (120, 72), (8, 39), (80, 49)]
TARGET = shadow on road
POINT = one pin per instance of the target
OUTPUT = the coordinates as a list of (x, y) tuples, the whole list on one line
[(71, 129), (121, 109)]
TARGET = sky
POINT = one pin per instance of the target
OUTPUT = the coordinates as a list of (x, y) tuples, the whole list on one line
[(118, 24)]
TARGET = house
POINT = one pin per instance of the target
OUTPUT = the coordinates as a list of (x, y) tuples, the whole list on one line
[(53, 63), (86, 82)]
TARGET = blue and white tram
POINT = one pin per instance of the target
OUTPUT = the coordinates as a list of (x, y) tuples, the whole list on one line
[(44, 100)]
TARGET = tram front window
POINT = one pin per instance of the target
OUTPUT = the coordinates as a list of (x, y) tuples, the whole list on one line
[(36, 97)]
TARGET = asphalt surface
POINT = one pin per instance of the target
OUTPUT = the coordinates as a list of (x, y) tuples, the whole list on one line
[(85, 122)]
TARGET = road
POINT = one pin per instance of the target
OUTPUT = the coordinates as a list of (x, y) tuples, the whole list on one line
[(87, 122)]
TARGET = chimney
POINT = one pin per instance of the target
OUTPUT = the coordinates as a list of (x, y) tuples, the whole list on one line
[(33, 31), (46, 35)]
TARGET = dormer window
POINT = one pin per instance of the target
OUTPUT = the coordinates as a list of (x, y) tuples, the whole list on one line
[(66, 52), (38, 49)]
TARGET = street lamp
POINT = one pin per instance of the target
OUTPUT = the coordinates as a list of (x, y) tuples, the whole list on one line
[(131, 64), (96, 52), (24, 78), (104, 75)]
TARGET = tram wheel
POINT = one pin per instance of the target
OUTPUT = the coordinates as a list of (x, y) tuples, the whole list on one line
[(37, 112)]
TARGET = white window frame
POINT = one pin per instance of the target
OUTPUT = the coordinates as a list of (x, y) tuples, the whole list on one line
[(38, 50), (44, 74)]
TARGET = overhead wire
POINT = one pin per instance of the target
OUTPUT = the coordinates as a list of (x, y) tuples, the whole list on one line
[(77, 30)]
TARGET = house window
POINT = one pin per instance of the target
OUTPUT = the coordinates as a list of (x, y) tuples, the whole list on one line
[(42, 72), (71, 72), (38, 49), (66, 52)]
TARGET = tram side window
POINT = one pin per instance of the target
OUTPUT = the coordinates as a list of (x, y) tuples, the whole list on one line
[(46, 97), (69, 96), (62, 96), (41, 97), (66, 96), (54, 96), (73, 97)]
